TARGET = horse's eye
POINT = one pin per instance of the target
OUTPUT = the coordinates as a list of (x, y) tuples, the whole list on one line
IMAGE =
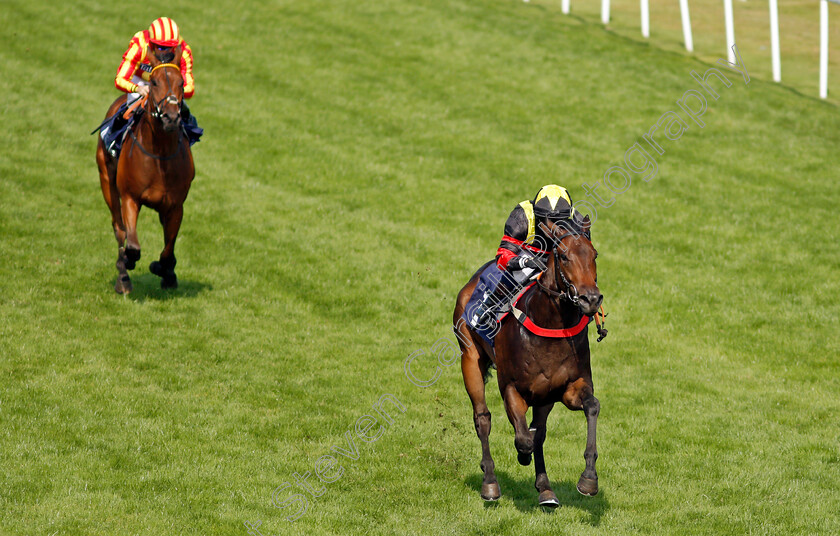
[(154, 83), (596, 254), (564, 258)]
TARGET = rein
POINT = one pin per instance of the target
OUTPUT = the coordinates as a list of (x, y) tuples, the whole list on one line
[(150, 155)]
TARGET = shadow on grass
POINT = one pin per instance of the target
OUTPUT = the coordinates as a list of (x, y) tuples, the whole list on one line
[(147, 287), (521, 491)]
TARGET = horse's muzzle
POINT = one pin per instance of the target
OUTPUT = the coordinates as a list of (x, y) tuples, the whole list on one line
[(590, 301), (170, 122)]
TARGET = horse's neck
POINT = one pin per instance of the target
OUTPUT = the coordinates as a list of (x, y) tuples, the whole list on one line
[(548, 279), (153, 137), (549, 311)]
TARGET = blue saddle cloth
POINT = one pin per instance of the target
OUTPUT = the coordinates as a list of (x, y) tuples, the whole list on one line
[(489, 280), (113, 129)]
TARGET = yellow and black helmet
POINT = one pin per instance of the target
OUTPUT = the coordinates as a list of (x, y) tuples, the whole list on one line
[(553, 202)]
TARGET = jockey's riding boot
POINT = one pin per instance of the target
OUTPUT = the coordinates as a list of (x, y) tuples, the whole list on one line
[(190, 124), (491, 303), (113, 135), (186, 115)]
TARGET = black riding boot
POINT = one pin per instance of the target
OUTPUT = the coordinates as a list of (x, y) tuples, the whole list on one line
[(113, 133), (190, 124)]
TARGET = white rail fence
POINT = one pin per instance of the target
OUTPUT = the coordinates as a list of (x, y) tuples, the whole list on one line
[(775, 54)]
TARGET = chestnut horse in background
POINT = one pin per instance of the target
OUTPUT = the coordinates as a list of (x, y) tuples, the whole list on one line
[(537, 371), (155, 169)]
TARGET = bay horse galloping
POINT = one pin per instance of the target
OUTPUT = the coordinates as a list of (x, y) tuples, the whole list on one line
[(542, 357), (155, 169)]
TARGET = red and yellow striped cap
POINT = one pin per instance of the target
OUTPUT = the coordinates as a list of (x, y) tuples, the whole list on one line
[(164, 32)]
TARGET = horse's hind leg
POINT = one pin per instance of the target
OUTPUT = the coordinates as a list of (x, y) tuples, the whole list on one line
[(474, 369), (165, 267), (547, 496)]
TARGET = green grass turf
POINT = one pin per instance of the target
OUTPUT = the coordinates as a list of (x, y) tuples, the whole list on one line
[(359, 162)]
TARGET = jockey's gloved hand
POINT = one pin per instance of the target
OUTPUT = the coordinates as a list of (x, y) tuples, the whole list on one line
[(521, 263)]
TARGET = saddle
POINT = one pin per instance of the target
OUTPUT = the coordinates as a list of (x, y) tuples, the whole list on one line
[(114, 128), (500, 309)]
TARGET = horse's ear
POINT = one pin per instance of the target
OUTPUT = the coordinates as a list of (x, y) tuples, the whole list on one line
[(179, 51), (586, 225), (152, 56)]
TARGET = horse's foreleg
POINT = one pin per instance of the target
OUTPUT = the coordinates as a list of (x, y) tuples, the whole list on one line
[(588, 483), (108, 183), (579, 396), (538, 425), (165, 267), (516, 408), (473, 368), (123, 284), (130, 210)]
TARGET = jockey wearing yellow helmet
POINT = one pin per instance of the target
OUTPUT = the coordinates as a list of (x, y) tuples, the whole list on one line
[(524, 242), (524, 248), (160, 39), (162, 35)]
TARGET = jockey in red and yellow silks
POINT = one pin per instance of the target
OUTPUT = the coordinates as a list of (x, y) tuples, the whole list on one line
[(164, 34), (160, 39)]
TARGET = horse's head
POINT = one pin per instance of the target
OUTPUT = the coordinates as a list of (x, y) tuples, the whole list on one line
[(573, 265), (166, 86)]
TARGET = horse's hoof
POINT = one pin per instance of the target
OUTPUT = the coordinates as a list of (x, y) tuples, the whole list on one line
[(131, 258), (123, 285), (524, 448), (490, 492), (168, 278), (588, 486), (549, 499)]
